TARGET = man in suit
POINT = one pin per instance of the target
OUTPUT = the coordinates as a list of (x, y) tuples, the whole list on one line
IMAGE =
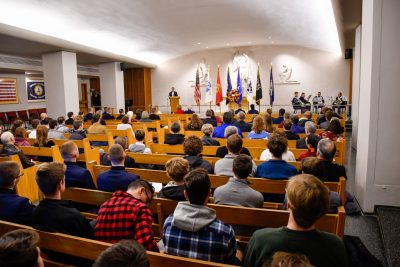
[(318, 102), (309, 128), (173, 93), (296, 103), (116, 178), (241, 124)]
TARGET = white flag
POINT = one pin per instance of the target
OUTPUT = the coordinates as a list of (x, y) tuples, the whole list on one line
[(209, 96), (249, 95)]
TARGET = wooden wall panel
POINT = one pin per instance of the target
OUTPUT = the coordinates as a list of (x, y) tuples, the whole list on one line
[(95, 83), (137, 83)]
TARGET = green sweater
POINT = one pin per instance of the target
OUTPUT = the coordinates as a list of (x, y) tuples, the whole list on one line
[(322, 249)]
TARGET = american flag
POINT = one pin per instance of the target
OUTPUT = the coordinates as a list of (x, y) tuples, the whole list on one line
[(197, 93)]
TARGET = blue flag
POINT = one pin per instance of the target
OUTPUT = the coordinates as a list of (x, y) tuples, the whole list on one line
[(271, 89), (229, 87), (239, 87)]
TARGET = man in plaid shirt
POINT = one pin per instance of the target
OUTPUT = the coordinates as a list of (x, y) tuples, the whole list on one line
[(126, 216), (193, 230)]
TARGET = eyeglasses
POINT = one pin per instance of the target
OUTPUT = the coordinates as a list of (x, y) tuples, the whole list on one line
[(149, 196)]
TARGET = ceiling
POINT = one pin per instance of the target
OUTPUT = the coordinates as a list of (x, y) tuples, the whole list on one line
[(148, 32)]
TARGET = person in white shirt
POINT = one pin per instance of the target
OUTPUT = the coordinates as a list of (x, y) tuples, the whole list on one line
[(125, 124), (34, 123), (286, 156)]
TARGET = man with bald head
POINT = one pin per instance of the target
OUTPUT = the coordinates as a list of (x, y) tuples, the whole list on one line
[(326, 153)]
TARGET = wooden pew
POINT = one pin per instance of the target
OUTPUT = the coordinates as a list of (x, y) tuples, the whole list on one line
[(128, 133), (53, 152), (91, 249), (108, 137), (90, 154)]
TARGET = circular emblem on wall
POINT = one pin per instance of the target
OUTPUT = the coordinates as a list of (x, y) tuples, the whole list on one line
[(38, 90)]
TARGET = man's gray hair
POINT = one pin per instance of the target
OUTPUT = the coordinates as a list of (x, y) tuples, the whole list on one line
[(310, 127), (241, 115), (230, 130), (207, 129), (7, 137), (145, 115), (326, 149)]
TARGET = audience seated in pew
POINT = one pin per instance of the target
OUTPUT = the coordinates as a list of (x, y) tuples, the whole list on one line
[(125, 253), (34, 123), (328, 116), (241, 124), (258, 129), (269, 127), (97, 127), (121, 114), (219, 132), (224, 166), (312, 144), (209, 118), (19, 248), (145, 117), (126, 216), (192, 146), (334, 131), (326, 153), (123, 141), (309, 128), (89, 115), (193, 230), (195, 123), (9, 149), (189, 110), (42, 141), (179, 110), (305, 118), (20, 137), (296, 128), (223, 150), (139, 146), (236, 191), (207, 140), (176, 169), (107, 114), (322, 118), (252, 110), (308, 200), (280, 118), (77, 133), (276, 167), (286, 156), (175, 137), (17, 123), (154, 115), (287, 127), (13, 208), (239, 109), (53, 133), (284, 259), (70, 119), (125, 124), (116, 178), (61, 125)]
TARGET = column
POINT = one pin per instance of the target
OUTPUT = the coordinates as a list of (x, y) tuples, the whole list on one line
[(112, 86), (61, 83)]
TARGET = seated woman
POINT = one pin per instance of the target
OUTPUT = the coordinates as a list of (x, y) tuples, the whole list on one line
[(195, 123), (258, 129), (174, 138), (334, 131), (16, 124), (42, 141), (269, 127), (179, 110), (192, 146), (207, 140), (286, 156), (20, 137)]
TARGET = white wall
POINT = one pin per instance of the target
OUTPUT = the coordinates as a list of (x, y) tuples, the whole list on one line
[(112, 85), (314, 69), (356, 86)]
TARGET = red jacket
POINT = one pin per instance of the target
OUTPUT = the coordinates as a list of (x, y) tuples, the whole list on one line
[(309, 153), (179, 111)]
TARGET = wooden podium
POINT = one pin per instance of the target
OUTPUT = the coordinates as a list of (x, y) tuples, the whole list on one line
[(173, 102)]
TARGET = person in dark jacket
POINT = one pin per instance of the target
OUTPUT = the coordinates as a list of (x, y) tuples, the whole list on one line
[(253, 110), (241, 124), (176, 169), (153, 115), (129, 162), (192, 146), (13, 208), (107, 114), (77, 133), (207, 140), (209, 118), (309, 128), (89, 115), (9, 149), (223, 150), (287, 126), (70, 119), (174, 138), (280, 119), (326, 153), (121, 114), (116, 178)]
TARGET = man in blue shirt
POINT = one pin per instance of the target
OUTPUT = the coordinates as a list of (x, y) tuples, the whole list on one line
[(296, 128), (227, 121), (116, 178), (280, 118)]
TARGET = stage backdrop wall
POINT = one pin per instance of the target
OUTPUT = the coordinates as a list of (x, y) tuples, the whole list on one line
[(313, 69)]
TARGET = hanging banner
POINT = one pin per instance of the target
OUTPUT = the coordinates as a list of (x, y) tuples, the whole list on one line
[(36, 91)]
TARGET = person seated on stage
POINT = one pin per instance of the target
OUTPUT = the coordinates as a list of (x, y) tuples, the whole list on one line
[(121, 114), (223, 150), (125, 253), (239, 109), (252, 110), (241, 124), (174, 138), (42, 141), (318, 102), (125, 124), (284, 259), (70, 119), (296, 103), (339, 103), (312, 144), (173, 92), (193, 230), (258, 129), (305, 102), (223, 166), (13, 208), (280, 117), (192, 146), (89, 115), (328, 116), (154, 114), (326, 153), (195, 123), (34, 124), (208, 119), (75, 176), (77, 133), (19, 248), (220, 130), (287, 127), (308, 200), (176, 169), (10, 149), (237, 192), (54, 214), (53, 133), (207, 140), (126, 216), (107, 114), (179, 110), (334, 131), (139, 146), (296, 128), (307, 116), (117, 178), (189, 110), (309, 128), (20, 137), (276, 167)]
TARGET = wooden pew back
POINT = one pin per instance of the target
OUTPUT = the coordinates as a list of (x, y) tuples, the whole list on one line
[(53, 152)]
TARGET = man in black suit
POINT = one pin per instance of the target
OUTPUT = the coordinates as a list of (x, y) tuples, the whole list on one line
[(173, 93), (309, 128), (325, 154), (241, 124)]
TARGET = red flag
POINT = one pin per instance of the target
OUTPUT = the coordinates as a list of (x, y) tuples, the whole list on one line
[(197, 93), (218, 91)]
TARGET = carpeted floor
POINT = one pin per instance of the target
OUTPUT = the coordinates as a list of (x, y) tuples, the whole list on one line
[(389, 219)]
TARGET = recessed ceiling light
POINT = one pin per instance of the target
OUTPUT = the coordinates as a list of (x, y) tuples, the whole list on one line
[(249, 42), (269, 37), (206, 47), (227, 43), (199, 43), (272, 42)]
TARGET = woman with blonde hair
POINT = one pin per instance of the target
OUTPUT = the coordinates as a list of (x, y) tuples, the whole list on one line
[(195, 123), (42, 141), (268, 123), (258, 129)]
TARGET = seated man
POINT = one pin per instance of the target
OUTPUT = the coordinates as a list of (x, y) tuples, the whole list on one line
[(236, 191), (126, 216), (189, 110), (129, 162), (97, 127), (223, 150), (326, 153), (227, 121), (278, 120), (10, 149), (53, 132), (308, 200), (176, 169), (296, 128), (328, 116), (61, 125), (154, 115), (241, 124), (121, 114), (70, 119), (305, 118), (54, 214), (252, 110), (139, 146), (287, 127), (239, 109), (209, 118), (276, 168), (309, 128), (34, 123), (107, 114), (193, 230), (192, 146), (175, 137), (116, 178), (13, 208), (286, 156), (89, 115), (75, 176), (224, 166), (19, 248), (77, 133)]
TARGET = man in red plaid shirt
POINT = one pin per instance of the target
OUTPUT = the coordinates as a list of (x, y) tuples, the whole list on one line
[(126, 216)]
